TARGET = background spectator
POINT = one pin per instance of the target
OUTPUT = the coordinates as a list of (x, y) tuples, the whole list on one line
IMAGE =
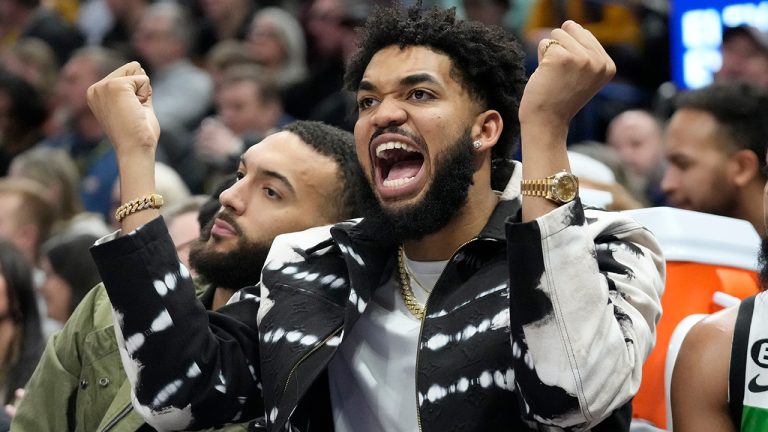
[(22, 115), (637, 138), (745, 56), (69, 273), (181, 91), (276, 41), (26, 217), (55, 170), (79, 133), (21, 341), (29, 18), (715, 149)]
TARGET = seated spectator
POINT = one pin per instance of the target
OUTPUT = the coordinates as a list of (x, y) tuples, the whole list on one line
[(35, 61), (69, 273), (57, 173), (222, 20), (224, 55), (22, 115), (78, 133), (248, 109), (637, 138), (26, 216), (183, 225), (276, 41), (181, 91), (715, 149), (21, 340), (31, 18), (745, 56)]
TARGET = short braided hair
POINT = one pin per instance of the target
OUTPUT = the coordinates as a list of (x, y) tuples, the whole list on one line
[(486, 60)]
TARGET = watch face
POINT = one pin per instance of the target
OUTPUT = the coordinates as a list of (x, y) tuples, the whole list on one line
[(565, 187)]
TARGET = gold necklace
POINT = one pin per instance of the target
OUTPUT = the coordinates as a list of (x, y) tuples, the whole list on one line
[(409, 299)]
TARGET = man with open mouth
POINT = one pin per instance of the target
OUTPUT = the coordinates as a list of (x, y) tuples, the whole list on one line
[(474, 295)]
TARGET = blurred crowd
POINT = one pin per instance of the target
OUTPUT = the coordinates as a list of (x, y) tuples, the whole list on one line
[(227, 73)]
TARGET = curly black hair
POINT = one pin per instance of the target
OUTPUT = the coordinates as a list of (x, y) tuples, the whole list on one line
[(741, 110), (486, 60), (339, 145)]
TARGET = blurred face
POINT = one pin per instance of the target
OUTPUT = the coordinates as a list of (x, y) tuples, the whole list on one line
[(697, 176), (153, 41), (240, 108), (78, 74), (56, 292), (265, 44), (637, 139), (283, 185), (184, 230), (743, 59), (324, 26)]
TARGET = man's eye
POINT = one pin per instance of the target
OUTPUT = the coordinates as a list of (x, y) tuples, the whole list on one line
[(365, 103), (421, 95), (271, 193)]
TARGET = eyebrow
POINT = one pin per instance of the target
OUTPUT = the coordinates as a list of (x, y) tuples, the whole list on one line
[(279, 177), (407, 81), (274, 174)]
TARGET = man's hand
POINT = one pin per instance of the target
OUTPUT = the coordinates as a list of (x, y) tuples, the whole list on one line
[(573, 66), (122, 103), (10, 409)]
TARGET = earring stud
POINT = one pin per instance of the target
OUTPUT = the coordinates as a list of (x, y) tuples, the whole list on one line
[(476, 144)]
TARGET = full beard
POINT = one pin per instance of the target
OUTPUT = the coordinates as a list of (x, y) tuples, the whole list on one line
[(762, 262), (233, 269), (446, 195)]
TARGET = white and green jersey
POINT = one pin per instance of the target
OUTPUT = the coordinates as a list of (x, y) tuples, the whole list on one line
[(748, 380)]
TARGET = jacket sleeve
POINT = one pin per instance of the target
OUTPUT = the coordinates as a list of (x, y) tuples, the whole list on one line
[(189, 369), (585, 288)]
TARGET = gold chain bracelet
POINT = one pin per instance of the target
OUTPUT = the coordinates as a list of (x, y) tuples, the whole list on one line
[(152, 201)]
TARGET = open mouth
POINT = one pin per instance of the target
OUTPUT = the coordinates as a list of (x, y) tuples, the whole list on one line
[(398, 163)]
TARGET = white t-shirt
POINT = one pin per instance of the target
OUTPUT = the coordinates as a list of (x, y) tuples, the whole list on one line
[(373, 375)]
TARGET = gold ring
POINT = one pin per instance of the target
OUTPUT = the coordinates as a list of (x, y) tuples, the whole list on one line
[(550, 42)]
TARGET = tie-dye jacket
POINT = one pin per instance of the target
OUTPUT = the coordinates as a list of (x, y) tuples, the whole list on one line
[(532, 326)]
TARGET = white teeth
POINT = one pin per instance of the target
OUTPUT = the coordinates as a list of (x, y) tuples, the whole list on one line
[(393, 145), (397, 182)]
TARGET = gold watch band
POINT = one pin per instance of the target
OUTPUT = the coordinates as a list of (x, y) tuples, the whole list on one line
[(536, 187)]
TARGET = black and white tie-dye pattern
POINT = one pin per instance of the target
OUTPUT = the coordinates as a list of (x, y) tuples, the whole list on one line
[(532, 326)]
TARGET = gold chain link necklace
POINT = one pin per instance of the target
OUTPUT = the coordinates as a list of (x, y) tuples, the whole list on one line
[(413, 306)]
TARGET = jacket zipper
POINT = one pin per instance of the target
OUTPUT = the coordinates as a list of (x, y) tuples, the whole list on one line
[(421, 330), (120, 415), (305, 356)]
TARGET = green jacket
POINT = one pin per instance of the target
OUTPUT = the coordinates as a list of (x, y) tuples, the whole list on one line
[(79, 384)]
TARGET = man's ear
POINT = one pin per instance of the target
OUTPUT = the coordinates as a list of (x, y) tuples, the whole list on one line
[(745, 167), (486, 129)]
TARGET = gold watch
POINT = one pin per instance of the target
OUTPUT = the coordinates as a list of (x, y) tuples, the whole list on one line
[(561, 188)]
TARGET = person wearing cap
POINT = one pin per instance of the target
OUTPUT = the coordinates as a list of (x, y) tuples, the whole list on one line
[(745, 56)]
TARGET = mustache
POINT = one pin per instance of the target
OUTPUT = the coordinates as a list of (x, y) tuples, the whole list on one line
[(399, 131), (227, 217)]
